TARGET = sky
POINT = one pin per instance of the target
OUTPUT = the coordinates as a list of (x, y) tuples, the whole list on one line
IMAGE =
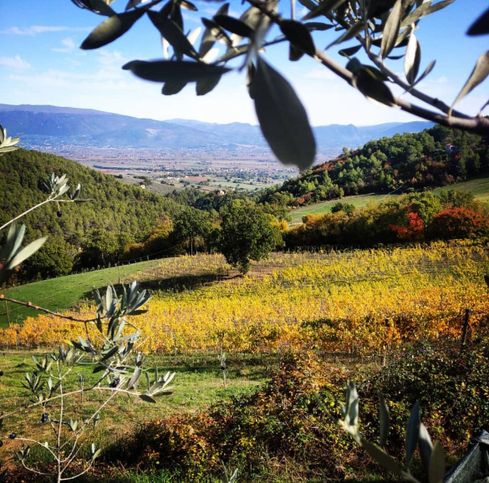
[(41, 63)]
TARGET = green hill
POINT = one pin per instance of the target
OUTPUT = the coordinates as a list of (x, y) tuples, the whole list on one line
[(409, 162), (82, 235)]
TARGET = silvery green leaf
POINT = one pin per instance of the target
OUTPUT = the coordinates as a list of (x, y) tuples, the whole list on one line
[(97, 6), (166, 70), (412, 432), (209, 37), (437, 464), (382, 458), (15, 236), (391, 29), (173, 34), (477, 76), (204, 86), (171, 88), (424, 9), (298, 35), (147, 397), (322, 9), (425, 446), (412, 59), (348, 34), (26, 252)]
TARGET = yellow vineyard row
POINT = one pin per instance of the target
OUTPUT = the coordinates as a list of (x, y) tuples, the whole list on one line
[(361, 302)]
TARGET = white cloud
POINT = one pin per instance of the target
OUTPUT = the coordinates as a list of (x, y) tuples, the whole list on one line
[(33, 30), (68, 45), (14, 63)]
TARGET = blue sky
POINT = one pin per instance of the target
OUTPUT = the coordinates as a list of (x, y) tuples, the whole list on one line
[(40, 63)]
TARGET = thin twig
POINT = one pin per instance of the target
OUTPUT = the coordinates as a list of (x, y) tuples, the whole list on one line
[(47, 311), (71, 393)]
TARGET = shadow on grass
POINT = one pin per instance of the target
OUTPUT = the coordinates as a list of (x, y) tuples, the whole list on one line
[(241, 365), (174, 284)]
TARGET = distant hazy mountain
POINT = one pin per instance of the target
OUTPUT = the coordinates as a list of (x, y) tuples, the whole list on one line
[(40, 126)]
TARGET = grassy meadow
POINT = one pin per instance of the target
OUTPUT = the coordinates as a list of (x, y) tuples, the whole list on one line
[(62, 293)]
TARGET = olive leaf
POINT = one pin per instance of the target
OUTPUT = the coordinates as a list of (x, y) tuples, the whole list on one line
[(424, 9), (188, 5), (481, 25), (425, 446), (437, 464), (295, 54), (233, 25), (317, 26), (173, 34), (323, 8), (381, 457), (370, 85), (478, 75), (282, 117), (391, 30), (173, 87), (425, 73), (350, 51), (204, 86), (171, 71), (349, 34), (297, 34), (111, 29), (412, 432), (26, 252), (209, 37), (412, 59), (96, 6), (384, 421)]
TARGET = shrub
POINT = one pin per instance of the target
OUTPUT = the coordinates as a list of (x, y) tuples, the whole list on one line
[(412, 230), (458, 222), (450, 385), (291, 421)]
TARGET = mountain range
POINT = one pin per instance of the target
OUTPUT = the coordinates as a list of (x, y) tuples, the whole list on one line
[(41, 126)]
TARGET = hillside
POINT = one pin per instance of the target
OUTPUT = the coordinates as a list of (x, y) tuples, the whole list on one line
[(478, 187), (93, 232), (413, 161), (45, 126)]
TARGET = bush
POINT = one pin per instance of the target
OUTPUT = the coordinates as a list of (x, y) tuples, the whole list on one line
[(458, 222), (414, 217), (292, 422), (450, 385)]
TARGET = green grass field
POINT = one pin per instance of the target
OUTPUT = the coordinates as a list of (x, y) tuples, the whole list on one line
[(198, 383), (359, 201), (478, 187), (61, 293)]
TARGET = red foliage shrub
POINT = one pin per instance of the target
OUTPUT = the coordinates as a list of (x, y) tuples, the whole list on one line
[(458, 223), (413, 230)]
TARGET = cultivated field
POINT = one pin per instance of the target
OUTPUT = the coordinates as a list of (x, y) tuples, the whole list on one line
[(359, 302)]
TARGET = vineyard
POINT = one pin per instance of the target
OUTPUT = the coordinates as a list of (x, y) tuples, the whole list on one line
[(358, 302)]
